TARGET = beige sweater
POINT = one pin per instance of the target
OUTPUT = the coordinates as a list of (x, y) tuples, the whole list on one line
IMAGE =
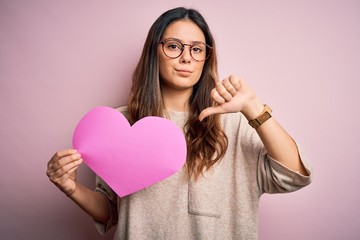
[(223, 204)]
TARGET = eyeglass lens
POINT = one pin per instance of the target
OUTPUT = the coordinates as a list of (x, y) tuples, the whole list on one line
[(174, 49)]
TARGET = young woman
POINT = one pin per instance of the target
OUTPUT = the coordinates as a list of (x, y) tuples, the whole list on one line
[(236, 149)]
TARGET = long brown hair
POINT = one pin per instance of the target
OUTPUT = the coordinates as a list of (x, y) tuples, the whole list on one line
[(206, 141)]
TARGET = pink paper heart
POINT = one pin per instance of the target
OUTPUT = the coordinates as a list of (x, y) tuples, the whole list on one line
[(129, 158)]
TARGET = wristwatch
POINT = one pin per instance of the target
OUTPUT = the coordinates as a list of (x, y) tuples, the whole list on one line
[(263, 117)]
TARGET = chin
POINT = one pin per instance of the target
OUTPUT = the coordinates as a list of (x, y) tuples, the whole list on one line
[(180, 83)]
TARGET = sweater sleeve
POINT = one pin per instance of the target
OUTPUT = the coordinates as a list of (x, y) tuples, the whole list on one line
[(271, 176), (274, 177), (112, 201)]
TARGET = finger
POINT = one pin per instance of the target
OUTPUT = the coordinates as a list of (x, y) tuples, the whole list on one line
[(216, 96), (64, 161), (59, 178), (235, 82), (210, 111), (60, 154), (64, 170), (229, 86), (72, 169), (223, 92)]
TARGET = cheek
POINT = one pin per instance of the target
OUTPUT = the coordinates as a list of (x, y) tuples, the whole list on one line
[(199, 69), (162, 64), (166, 66), (163, 69)]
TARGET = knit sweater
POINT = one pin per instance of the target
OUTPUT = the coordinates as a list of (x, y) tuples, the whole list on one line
[(222, 204)]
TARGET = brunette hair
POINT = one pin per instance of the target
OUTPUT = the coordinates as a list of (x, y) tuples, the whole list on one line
[(206, 141)]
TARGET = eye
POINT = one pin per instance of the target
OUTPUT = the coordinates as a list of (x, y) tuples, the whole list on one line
[(197, 49), (173, 46)]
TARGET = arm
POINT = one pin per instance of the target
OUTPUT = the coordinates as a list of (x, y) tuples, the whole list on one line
[(62, 172), (276, 140), (234, 95), (93, 203)]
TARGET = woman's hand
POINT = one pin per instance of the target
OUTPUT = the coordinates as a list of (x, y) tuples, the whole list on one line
[(233, 95), (61, 170)]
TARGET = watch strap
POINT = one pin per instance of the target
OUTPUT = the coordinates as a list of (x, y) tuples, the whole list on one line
[(263, 117)]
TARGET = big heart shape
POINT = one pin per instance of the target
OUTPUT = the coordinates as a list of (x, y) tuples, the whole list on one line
[(129, 158)]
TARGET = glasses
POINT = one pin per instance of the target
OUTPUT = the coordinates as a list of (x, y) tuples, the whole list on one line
[(173, 48)]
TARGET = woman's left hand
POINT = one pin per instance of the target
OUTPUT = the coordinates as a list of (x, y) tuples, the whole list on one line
[(232, 95)]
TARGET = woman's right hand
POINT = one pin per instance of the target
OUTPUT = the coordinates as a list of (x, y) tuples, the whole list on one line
[(61, 170)]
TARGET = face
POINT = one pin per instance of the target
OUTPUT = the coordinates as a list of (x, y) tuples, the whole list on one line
[(181, 73)]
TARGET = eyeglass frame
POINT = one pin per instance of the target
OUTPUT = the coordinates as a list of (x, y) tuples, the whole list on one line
[(183, 45)]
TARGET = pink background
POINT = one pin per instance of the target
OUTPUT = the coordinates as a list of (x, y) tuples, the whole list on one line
[(59, 59)]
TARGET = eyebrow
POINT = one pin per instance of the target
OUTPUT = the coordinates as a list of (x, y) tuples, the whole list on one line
[(176, 39)]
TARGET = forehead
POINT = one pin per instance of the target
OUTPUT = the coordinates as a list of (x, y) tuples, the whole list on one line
[(185, 30)]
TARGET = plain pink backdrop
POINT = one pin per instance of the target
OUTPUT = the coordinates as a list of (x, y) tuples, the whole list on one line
[(59, 59)]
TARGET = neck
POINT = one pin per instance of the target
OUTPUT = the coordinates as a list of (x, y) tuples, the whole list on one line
[(176, 100)]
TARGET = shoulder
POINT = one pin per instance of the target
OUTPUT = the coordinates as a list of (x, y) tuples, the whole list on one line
[(124, 111)]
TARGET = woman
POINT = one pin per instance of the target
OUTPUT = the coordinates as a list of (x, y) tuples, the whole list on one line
[(229, 163)]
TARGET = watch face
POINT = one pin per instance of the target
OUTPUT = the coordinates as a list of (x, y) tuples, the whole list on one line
[(263, 117)]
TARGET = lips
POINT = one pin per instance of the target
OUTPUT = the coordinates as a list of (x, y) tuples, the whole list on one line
[(183, 72)]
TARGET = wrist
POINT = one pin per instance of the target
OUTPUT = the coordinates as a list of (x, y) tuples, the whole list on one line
[(71, 192), (262, 118), (253, 109)]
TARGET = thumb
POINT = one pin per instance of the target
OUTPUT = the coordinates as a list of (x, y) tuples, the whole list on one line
[(210, 111)]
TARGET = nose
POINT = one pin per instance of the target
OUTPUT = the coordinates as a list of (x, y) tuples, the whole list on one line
[(186, 54)]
